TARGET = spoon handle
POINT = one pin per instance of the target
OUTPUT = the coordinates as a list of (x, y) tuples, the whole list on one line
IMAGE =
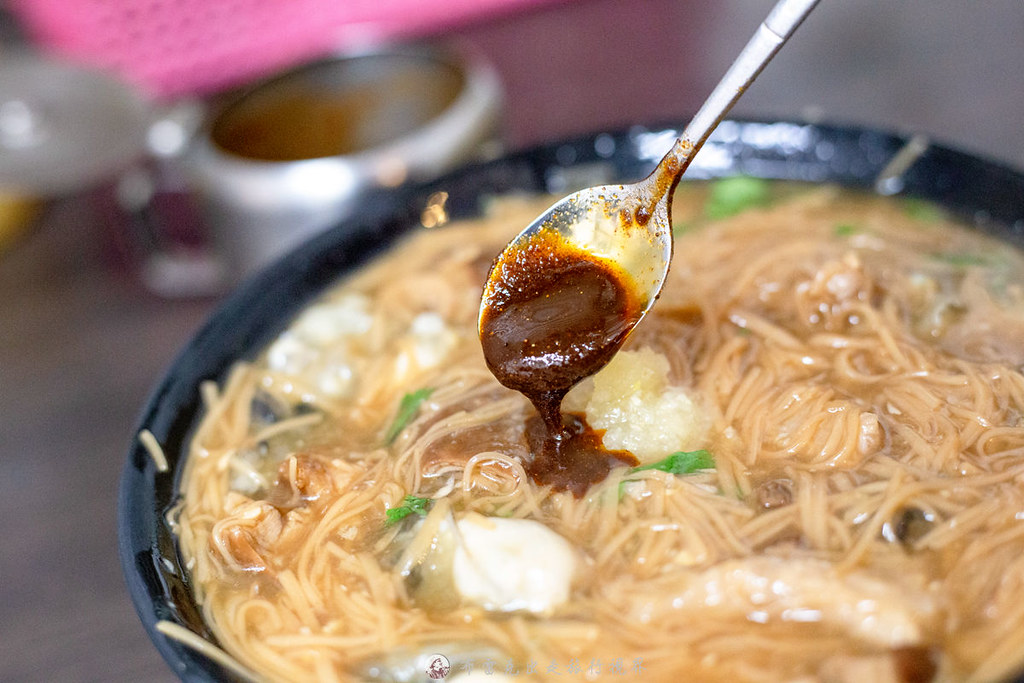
[(771, 35)]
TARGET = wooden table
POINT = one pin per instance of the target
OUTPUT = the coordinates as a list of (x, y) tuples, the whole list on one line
[(80, 347)]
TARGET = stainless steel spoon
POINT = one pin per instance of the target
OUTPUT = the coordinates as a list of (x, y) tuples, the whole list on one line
[(630, 225)]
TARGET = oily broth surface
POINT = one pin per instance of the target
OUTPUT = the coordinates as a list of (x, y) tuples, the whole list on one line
[(857, 361)]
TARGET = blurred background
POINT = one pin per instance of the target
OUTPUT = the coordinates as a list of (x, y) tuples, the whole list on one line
[(109, 208)]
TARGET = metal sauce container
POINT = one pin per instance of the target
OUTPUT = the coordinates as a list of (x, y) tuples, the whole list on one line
[(293, 155)]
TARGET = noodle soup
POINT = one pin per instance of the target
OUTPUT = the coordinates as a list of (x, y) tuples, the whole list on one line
[(826, 410)]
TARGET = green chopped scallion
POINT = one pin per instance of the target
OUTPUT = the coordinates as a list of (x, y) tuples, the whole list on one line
[(681, 462), (407, 411), (961, 260), (410, 505), (731, 196), (922, 210)]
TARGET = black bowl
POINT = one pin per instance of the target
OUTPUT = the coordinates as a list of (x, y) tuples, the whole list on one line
[(988, 194)]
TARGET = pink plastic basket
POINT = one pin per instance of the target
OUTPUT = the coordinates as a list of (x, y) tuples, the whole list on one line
[(174, 47)]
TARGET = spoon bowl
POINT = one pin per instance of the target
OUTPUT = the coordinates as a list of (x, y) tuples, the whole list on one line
[(610, 223), (630, 226)]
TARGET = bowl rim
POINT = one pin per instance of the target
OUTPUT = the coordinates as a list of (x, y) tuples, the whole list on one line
[(989, 192)]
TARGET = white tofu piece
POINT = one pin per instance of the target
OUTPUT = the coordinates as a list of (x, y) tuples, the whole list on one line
[(512, 565), (318, 343)]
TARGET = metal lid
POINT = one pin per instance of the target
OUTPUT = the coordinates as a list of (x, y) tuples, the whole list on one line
[(65, 127)]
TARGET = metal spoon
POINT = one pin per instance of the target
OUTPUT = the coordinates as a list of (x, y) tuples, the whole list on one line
[(630, 225)]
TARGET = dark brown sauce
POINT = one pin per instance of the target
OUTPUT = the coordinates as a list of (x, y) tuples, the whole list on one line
[(574, 459), (555, 316)]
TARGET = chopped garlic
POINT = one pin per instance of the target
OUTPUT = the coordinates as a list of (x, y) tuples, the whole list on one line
[(325, 323), (640, 412), (432, 339), (318, 344), (288, 354), (336, 380), (512, 565)]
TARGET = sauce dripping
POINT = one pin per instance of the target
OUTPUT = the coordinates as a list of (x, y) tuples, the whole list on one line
[(555, 315)]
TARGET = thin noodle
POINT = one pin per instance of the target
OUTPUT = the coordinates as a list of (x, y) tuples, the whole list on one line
[(205, 648), (156, 452), (865, 498)]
